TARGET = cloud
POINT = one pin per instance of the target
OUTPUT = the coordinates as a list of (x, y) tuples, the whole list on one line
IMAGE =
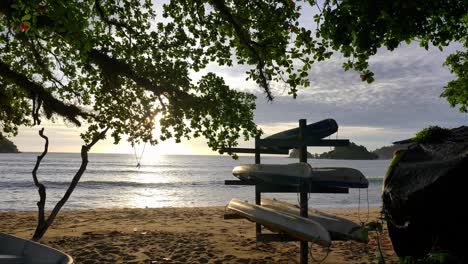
[(406, 93)]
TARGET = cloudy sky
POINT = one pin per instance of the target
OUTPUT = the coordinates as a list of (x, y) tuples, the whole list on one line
[(404, 98)]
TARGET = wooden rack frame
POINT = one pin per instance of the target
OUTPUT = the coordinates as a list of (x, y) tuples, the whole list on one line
[(282, 146)]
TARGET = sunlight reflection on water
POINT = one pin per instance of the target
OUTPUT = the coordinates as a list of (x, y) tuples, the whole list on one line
[(113, 180)]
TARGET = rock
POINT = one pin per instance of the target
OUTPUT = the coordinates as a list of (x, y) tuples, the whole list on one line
[(424, 197)]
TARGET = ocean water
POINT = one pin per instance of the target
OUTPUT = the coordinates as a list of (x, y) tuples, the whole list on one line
[(114, 181)]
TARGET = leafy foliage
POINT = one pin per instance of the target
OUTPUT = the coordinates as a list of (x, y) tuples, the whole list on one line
[(14, 109), (105, 63), (125, 64), (434, 257), (456, 90), (376, 226), (359, 28), (432, 134)]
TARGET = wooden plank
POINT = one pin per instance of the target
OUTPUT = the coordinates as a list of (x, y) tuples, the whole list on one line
[(238, 182), (269, 188), (304, 205), (297, 143), (252, 151), (275, 238), (258, 201), (258, 195)]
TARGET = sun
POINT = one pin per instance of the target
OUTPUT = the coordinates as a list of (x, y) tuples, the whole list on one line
[(147, 151)]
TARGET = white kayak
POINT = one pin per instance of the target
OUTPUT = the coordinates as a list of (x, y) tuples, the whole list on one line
[(339, 228), (17, 250), (278, 221), (296, 173)]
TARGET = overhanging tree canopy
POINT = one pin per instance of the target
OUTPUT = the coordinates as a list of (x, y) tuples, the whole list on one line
[(118, 64)]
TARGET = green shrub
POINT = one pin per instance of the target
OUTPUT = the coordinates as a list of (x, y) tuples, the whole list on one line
[(432, 134)]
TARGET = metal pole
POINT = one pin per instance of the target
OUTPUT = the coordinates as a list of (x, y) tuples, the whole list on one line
[(304, 207)]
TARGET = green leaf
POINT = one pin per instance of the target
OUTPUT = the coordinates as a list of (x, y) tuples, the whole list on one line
[(26, 17)]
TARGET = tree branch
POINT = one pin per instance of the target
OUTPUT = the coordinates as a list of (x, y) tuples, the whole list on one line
[(101, 59), (46, 71), (113, 22), (44, 225), (247, 42), (50, 103), (40, 186), (84, 163), (121, 68)]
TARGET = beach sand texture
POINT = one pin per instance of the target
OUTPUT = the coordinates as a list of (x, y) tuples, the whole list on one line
[(179, 235)]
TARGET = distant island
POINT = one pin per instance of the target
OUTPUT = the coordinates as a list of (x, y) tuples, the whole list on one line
[(6, 146), (386, 152), (353, 152)]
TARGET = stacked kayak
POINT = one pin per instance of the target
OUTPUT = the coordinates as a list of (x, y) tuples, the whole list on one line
[(319, 227), (282, 217), (294, 225), (298, 173)]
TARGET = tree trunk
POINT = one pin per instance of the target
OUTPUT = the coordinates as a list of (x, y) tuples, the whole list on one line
[(43, 224)]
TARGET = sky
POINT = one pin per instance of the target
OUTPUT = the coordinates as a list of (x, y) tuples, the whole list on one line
[(404, 99)]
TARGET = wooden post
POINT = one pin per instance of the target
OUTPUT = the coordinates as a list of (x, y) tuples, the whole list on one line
[(257, 149), (304, 207), (258, 194)]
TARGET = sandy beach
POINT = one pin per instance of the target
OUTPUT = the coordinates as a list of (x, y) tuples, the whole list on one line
[(179, 235)]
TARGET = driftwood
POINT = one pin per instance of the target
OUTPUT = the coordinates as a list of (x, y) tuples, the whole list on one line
[(44, 223), (424, 196)]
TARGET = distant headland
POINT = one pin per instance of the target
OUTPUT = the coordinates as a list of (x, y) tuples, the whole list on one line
[(386, 152), (353, 152), (6, 146)]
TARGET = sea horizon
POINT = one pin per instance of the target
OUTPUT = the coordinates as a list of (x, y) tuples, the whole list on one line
[(112, 180)]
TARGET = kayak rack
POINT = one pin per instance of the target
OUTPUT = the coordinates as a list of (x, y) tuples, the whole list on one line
[(281, 146)]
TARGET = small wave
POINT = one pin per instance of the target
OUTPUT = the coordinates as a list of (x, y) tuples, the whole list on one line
[(106, 184), (114, 171)]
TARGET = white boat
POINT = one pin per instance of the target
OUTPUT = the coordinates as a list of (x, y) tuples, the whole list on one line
[(339, 228), (15, 250), (296, 173), (278, 221)]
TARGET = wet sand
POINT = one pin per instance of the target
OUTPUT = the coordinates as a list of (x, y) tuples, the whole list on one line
[(180, 235)]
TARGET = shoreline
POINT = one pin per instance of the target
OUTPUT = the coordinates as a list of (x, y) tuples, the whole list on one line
[(328, 209), (179, 235)]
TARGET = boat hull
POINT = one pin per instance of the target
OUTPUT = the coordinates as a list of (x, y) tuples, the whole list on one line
[(295, 226), (338, 227), (16, 250), (321, 129), (297, 173)]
